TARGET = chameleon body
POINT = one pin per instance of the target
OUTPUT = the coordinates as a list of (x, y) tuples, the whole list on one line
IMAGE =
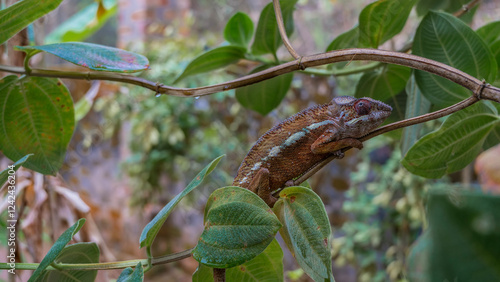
[(299, 143)]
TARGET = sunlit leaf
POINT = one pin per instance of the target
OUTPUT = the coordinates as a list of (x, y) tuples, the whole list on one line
[(56, 249), (238, 227), (239, 29), (266, 95), (454, 145), (77, 253), (381, 20), (19, 15), (149, 232), (267, 36), (306, 230), (444, 38), (36, 117), (93, 56), (214, 59)]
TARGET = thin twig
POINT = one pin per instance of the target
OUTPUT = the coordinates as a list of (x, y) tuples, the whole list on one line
[(281, 28), (466, 8)]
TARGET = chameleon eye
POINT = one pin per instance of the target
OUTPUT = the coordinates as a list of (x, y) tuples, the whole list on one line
[(362, 107)]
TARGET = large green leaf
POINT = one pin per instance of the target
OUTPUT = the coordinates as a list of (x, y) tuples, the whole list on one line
[(383, 83), (446, 39), (267, 37), (416, 105), (268, 266), (36, 116), (266, 95), (85, 252), (93, 56), (4, 174), (306, 230), (465, 227), (132, 275), (214, 59), (238, 227), (56, 249), (454, 145), (84, 23), (149, 232), (239, 29), (18, 16), (381, 20), (348, 39), (489, 33)]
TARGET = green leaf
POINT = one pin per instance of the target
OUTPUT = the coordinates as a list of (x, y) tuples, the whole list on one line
[(132, 275), (416, 105), (465, 227), (239, 29), (84, 23), (418, 258), (18, 16), (93, 56), (56, 249), (381, 20), (267, 37), (348, 39), (238, 227), (149, 232), (446, 39), (306, 230), (266, 95), (489, 33), (4, 174), (383, 83), (77, 253), (454, 145), (214, 59), (36, 116), (268, 266)]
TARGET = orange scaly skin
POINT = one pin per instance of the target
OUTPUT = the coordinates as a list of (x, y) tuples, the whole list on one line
[(299, 143)]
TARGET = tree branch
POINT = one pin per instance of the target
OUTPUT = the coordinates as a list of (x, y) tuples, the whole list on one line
[(354, 54)]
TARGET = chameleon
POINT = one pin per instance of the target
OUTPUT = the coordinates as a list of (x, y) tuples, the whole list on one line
[(300, 143)]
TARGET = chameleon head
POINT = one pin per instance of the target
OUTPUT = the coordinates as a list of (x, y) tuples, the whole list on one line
[(360, 116)]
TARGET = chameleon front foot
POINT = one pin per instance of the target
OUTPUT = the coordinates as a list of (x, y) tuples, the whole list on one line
[(260, 186)]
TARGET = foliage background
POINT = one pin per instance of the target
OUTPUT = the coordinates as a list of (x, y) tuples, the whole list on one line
[(132, 152)]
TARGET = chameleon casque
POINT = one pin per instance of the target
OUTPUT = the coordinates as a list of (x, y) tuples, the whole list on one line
[(299, 143)]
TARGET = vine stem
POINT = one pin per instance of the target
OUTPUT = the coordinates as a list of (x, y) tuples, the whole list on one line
[(354, 54), (106, 265), (281, 28)]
